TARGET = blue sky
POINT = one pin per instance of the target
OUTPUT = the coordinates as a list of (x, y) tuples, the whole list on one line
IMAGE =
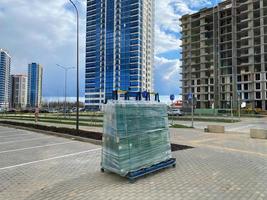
[(44, 32)]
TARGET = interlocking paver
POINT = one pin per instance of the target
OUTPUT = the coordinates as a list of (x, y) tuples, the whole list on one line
[(220, 167)]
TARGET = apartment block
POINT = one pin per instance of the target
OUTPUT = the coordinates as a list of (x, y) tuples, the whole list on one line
[(35, 80), (5, 62), (224, 55), (119, 48), (19, 91)]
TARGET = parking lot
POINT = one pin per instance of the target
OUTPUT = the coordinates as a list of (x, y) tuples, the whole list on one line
[(37, 166)]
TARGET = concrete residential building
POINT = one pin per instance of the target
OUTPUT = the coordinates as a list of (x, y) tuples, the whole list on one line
[(19, 91), (35, 77), (224, 54), (119, 48), (5, 61)]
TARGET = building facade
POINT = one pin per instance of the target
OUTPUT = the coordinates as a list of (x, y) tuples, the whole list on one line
[(5, 62), (19, 84), (224, 55), (35, 78), (119, 48)]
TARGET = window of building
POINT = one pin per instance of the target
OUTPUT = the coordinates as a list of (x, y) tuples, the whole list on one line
[(239, 87), (258, 77), (212, 96), (246, 86), (245, 95), (212, 81), (258, 95), (246, 78), (258, 86), (239, 78), (211, 88)]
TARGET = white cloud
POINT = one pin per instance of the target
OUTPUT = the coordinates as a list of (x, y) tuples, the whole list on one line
[(168, 13), (165, 42), (167, 75), (170, 67), (44, 32), (167, 28)]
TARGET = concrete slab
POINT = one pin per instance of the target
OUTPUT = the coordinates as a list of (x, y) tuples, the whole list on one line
[(258, 133)]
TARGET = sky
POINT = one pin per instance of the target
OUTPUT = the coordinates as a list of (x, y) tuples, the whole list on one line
[(44, 32)]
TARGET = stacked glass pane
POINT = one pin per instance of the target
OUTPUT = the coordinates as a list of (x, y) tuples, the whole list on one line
[(135, 135)]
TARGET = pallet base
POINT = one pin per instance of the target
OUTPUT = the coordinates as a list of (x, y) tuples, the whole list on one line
[(132, 176)]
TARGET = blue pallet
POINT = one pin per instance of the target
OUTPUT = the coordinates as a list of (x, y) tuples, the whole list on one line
[(132, 176)]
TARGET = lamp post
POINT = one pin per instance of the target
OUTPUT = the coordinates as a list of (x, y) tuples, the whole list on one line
[(78, 93), (65, 89)]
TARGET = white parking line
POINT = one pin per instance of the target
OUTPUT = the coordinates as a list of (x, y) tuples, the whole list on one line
[(9, 131), (6, 136), (14, 141), (48, 159), (35, 147)]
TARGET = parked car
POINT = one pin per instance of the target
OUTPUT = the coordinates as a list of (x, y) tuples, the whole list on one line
[(175, 112), (12, 110)]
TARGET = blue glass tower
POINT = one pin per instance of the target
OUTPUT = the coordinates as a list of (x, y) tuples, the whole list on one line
[(119, 48), (35, 77), (5, 61)]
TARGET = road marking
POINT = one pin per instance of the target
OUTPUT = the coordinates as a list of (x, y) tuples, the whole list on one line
[(35, 147), (14, 141), (203, 140), (48, 159), (229, 149), (9, 131), (244, 128), (16, 135)]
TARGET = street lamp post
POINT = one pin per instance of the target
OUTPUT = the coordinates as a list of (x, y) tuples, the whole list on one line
[(78, 93), (65, 88)]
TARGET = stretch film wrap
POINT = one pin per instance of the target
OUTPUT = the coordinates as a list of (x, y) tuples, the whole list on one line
[(136, 135)]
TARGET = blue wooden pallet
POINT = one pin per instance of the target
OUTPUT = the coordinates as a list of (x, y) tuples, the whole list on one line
[(132, 176)]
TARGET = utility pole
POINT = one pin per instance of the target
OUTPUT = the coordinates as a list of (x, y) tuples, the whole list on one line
[(192, 112), (232, 116), (239, 106), (77, 52), (65, 87)]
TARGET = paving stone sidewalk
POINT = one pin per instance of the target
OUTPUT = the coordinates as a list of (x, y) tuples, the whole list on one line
[(39, 167)]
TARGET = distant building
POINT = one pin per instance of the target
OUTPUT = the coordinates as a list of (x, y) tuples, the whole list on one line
[(224, 55), (35, 77), (19, 91), (5, 61), (119, 48)]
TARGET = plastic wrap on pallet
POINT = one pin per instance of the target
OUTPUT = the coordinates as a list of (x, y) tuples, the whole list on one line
[(136, 135)]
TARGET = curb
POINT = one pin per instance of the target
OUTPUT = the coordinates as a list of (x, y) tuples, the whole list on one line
[(72, 137)]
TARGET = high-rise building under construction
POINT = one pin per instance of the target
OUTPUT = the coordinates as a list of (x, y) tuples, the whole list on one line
[(224, 55)]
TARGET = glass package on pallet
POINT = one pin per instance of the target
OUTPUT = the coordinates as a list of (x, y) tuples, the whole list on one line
[(136, 136)]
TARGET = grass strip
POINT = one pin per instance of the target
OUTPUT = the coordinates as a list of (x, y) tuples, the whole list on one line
[(57, 122), (206, 119)]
